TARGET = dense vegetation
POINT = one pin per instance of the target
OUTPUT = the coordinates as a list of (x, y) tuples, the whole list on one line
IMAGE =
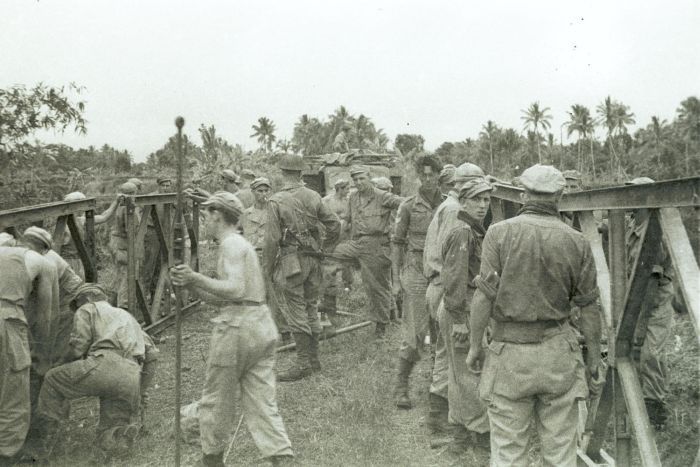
[(604, 150)]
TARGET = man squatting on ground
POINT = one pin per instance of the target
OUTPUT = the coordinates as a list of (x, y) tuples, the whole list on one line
[(254, 224), (461, 253), (107, 351), (23, 272), (444, 221), (292, 262), (408, 242), (532, 267), (369, 214), (244, 338)]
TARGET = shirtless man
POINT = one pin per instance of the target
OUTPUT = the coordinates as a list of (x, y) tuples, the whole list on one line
[(242, 347)]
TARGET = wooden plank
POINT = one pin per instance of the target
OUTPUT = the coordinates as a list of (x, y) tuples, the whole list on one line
[(623, 433), (83, 254), (681, 252), (131, 222), (143, 306), (159, 199), (632, 392), (28, 215), (157, 297), (143, 226), (58, 234), (589, 228)]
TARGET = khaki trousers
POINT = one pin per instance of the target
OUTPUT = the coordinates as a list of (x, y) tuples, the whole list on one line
[(416, 319), (240, 367), (15, 363), (438, 386)]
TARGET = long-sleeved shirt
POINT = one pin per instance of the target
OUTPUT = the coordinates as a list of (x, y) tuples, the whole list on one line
[(370, 214), (293, 215), (254, 221), (412, 222), (100, 326), (461, 256), (246, 197), (444, 220), (543, 266)]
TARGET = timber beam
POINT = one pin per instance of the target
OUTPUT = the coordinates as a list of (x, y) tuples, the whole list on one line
[(40, 212)]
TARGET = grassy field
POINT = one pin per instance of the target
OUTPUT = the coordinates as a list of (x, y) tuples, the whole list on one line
[(345, 414)]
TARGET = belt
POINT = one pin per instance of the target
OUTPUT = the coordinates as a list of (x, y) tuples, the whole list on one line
[(524, 332)]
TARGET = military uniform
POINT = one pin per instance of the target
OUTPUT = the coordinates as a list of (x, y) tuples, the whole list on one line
[(330, 268), (291, 236), (246, 197), (112, 344), (369, 217), (534, 368), (461, 253), (15, 359), (254, 223)]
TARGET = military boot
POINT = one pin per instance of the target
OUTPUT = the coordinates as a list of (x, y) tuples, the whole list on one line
[(461, 440), (302, 369), (403, 401), (313, 353), (438, 426)]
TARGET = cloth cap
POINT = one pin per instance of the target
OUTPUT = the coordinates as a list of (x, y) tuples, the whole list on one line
[(95, 291), (447, 174), (247, 173), (291, 162), (341, 183), (75, 196), (467, 171), (127, 188), (230, 175), (136, 182), (40, 234), (543, 179), (225, 201), (572, 175), (640, 181), (160, 180), (382, 183), (260, 181), (473, 187), (357, 170)]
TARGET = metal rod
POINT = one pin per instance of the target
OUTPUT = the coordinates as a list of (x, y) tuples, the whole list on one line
[(179, 123), (324, 336)]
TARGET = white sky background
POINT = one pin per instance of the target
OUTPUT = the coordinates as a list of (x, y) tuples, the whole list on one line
[(437, 68)]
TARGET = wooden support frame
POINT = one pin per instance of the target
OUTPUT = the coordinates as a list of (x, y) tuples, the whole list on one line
[(157, 213), (621, 297)]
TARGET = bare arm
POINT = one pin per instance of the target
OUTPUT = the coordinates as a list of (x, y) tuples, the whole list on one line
[(109, 213), (480, 313)]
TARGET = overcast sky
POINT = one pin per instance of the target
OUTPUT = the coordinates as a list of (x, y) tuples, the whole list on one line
[(440, 69)]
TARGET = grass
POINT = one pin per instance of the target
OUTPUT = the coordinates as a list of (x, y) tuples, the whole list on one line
[(345, 414)]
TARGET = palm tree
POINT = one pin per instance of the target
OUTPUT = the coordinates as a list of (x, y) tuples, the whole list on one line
[(689, 120), (580, 121), (606, 114), (657, 131), (535, 118), (284, 145), (264, 131), (622, 118), (488, 132)]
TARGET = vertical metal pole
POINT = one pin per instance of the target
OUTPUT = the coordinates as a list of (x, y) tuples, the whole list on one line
[(179, 123), (618, 291)]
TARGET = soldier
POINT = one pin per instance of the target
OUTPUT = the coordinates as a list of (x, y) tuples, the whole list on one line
[(408, 243), (338, 203), (118, 248), (461, 254), (446, 179), (532, 267), (244, 338), (655, 319), (22, 272), (384, 184), (254, 224), (573, 181), (137, 182), (107, 347), (245, 193), (230, 181), (444, 221), (369, 213), (292, 263), (69, 252)]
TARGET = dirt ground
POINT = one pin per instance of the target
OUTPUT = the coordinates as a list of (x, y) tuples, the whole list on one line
[(345, 414)]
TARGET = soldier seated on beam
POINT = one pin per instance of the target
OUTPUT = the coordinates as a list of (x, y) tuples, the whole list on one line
[(107, 349)]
